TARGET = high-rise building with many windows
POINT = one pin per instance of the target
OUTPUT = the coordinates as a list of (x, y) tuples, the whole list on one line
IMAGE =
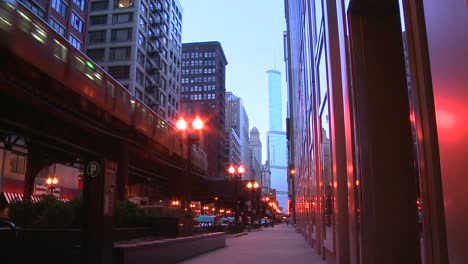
[(139, 44), (238, 120), (202, 93), (276, 139)]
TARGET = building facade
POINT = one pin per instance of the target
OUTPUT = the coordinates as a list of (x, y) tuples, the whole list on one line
[(255, 146), (139, 44), (237, 119), (203, 93), (276, 139), (379, 165), (67, 17)]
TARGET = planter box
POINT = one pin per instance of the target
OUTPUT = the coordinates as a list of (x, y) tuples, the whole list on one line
[(168, 251)]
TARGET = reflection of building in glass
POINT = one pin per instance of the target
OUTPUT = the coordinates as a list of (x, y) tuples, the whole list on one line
[(276, 139)]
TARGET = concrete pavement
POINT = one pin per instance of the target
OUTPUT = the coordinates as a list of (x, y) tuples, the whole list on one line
[(280, 244)]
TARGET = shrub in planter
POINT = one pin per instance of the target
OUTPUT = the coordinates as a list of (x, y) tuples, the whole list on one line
[(128, 214), (54, 213), (23, 213)]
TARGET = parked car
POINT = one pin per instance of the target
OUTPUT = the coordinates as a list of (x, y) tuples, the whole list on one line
[(207, 222)]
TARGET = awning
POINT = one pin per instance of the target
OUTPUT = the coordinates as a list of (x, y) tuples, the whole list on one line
[(18, 197)]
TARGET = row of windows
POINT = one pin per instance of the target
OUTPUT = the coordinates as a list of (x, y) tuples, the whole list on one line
[(104, 5), (199, 71), (208, 79), (198, 88), (35, 8), (99, 36), (192, 55), (116, 19), (199, 63), (199, 96), (115, 54)]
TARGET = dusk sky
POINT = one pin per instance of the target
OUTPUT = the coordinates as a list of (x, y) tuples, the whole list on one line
[(251, 34)]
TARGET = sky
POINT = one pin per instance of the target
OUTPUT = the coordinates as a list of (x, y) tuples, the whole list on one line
[(251, 34)]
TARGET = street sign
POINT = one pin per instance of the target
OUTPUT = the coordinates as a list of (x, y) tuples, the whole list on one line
[(93, 169)]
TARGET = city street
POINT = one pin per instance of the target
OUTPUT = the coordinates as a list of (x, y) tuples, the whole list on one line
[(280, 244)]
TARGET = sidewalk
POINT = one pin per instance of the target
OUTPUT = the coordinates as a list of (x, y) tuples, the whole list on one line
[(280, 244)]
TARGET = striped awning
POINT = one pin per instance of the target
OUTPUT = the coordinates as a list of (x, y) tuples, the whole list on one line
[(18, 197), (13, 197)]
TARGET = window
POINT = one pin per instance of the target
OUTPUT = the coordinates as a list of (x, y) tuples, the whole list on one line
[(99, 5), (55, 25), (120, 72), (122, 18), (143, 9), (77, 22), (35, 9), (97, 36), (141, 58), (75, 42), (122, 34), (141, 40), (123, 3), (98, 20), (80, 4), (139, 77), (60, 7), (95, 54), (142, 23), (122, 53), (17, 163)]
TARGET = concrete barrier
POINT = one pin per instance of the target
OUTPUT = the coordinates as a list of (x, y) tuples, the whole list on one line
[(167, 251)]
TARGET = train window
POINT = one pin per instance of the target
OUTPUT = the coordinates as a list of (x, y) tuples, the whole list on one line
[(87, 67), (6, 18), (24, 21), (39, 33), (110, 89), (60, 51)]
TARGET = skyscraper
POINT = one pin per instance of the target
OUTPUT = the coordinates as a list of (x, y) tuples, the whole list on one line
[(237, 119), (276, 139), (202, 93), (139, 44)]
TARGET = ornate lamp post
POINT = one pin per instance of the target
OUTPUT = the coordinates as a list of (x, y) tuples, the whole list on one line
[(51, 184), (232, 171), (253, 186), (192, 137)]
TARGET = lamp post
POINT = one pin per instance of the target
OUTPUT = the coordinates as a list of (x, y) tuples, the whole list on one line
[(232, 171), (252, 186), (192, 136), (51, 184)]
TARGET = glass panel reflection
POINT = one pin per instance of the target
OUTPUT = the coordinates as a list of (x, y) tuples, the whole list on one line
[(327, 178)]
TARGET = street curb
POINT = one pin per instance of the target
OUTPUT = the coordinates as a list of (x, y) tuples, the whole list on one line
[(237, 235)]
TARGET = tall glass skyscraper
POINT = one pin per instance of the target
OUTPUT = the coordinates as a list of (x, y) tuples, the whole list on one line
[(276, 139)]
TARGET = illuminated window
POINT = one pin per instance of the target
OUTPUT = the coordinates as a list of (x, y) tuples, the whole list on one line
[(57, 27), (123, 3), (81, 4), (77, 22), (75, 42), (60, 7)]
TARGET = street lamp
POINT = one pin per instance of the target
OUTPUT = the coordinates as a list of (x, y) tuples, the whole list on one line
[(253, 186), (51, 184), (192, 137), (232, 171)]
